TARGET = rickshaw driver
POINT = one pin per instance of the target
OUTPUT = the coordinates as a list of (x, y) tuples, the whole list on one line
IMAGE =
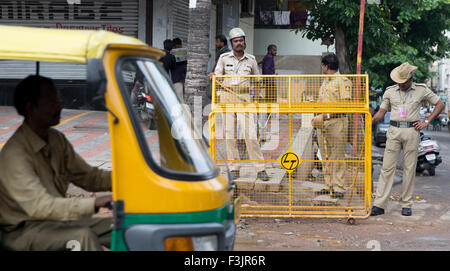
[(37, 164)]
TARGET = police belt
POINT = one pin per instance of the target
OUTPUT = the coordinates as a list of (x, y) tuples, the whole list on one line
[(337, 116), (402, 124)]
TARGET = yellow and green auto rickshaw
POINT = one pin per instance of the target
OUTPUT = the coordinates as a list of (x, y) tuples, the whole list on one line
[(167, 191)]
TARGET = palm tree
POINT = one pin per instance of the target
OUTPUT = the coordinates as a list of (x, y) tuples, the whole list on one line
[(196, 83)]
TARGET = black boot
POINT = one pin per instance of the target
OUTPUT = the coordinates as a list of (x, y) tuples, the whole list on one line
[(337, 195), (376, 211), (235, 174), (262, 175), (406, 212)]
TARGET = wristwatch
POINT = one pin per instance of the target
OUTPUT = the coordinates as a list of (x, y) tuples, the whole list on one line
[(427, 122)]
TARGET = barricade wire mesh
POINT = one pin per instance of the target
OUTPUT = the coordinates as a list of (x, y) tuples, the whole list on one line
[(293, 90), (315, 152)]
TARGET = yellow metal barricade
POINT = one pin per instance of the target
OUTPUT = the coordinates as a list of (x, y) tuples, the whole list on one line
[(265, 123)]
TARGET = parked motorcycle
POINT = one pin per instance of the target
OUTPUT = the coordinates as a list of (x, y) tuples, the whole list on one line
[(144, 108), (428, 155)]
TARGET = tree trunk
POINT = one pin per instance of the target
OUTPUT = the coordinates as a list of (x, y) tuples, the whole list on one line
[(345, 65), (196, 83)]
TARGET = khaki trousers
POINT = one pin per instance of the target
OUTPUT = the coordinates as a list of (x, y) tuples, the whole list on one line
[(90, 233), (332, 140), (247, 123), (397, 139)]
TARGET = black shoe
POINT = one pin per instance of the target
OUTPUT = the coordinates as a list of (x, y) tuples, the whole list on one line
[(337, 195), (376, 211), (406, 212), (323, 192), (262, 175), (235, 174)]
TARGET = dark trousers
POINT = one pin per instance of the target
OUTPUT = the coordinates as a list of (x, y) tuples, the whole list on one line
[(271, 90)]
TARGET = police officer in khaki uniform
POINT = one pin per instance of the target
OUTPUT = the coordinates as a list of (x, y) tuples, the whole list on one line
[(404, 101), (237, 90), (332, 127)]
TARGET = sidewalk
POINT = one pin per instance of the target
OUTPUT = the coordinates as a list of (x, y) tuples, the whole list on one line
[(86, 130)]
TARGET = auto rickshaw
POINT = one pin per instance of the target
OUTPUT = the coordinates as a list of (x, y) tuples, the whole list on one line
[(168, 195)]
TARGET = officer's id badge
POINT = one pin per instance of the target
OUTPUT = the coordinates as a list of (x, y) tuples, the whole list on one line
[(402, 112)]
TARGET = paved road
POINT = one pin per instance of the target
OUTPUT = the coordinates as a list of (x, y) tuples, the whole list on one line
[(86, 130), (427, 229)]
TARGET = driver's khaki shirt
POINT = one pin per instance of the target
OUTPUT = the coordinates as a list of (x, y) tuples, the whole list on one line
[(35, 176)]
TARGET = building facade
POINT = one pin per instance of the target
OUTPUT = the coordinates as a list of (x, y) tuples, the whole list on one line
[(154, 21), (443, 85), (127, 17)]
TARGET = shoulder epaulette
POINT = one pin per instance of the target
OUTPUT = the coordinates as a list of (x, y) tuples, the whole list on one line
[(421, 85), (391, 87), (226, 54), (251, 56)]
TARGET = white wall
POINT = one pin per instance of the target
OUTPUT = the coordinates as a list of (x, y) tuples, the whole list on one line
[(247, 24), (444, 74), (288, 43), (444, 80)]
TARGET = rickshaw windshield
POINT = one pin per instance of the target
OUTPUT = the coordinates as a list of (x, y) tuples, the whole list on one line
[(162, 122)]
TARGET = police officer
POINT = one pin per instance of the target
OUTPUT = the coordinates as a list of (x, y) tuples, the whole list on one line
[(237, 90), (332, 127), (404, 101)]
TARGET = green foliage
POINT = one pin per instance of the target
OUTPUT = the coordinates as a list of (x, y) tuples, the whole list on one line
[(394, 32)]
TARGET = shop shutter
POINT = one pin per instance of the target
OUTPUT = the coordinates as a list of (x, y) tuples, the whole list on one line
[(180, 15), (113, 15)]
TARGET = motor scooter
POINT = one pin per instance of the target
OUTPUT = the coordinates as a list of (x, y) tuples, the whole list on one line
[(145, 109), (428, 157)]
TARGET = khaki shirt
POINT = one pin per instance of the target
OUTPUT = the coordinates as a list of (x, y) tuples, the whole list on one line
[(35, 176), (228, 64), (394, 100), (335, 89)]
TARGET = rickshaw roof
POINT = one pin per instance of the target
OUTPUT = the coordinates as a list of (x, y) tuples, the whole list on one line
[(57, 45)]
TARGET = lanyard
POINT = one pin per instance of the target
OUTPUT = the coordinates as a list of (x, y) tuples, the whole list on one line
[(406, 96), (238, 66)]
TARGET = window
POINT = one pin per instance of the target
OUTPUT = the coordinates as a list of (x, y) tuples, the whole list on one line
[(162, 124), (287, 14)]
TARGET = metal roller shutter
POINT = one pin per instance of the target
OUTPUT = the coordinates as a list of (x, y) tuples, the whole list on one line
[(116, 16), (180, 11)]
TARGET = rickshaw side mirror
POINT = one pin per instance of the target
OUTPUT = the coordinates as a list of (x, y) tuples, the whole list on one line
[(96, 81)]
